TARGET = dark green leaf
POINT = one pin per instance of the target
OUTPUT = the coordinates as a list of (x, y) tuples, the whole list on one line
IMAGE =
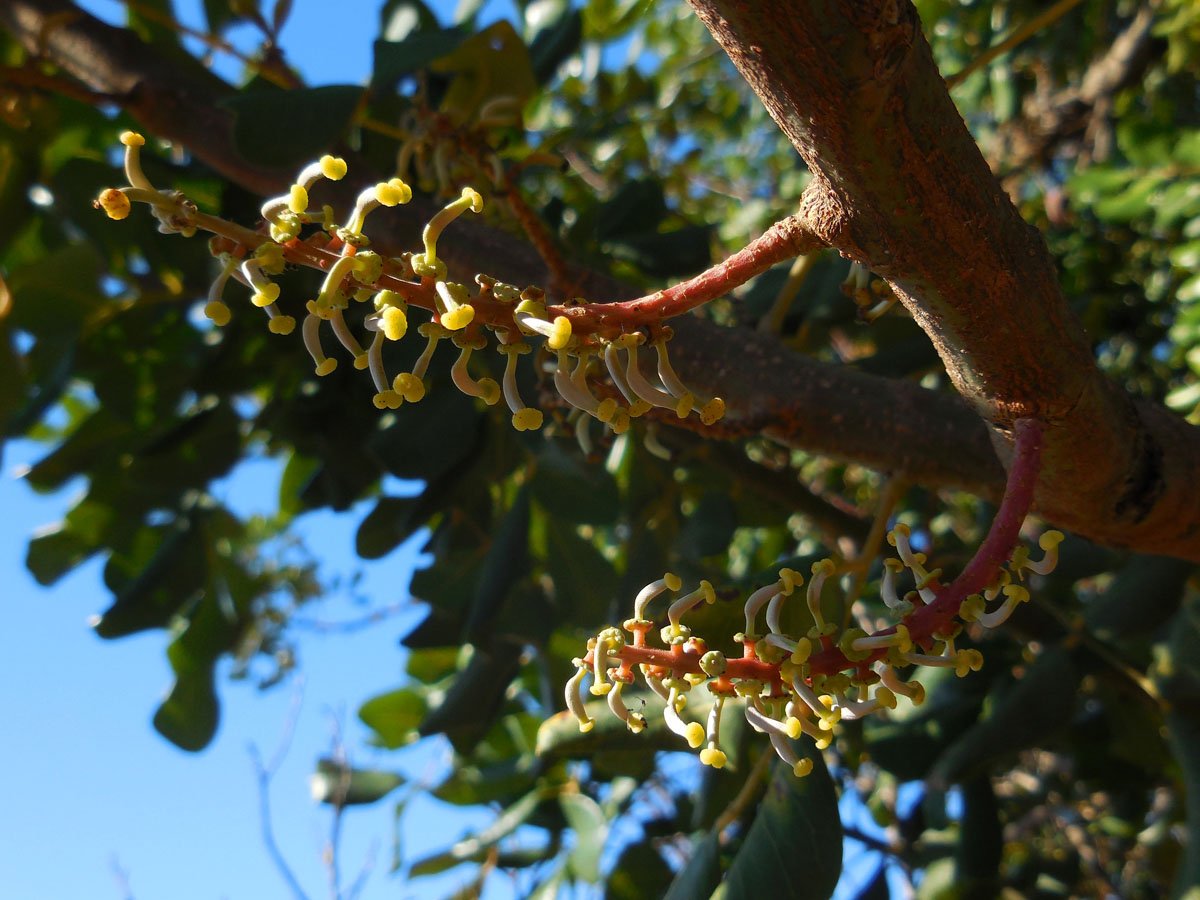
[(981, 841), (338, 784), (474, 849), (685, 251), (555, 43), (1033, 709), (507, 562), (590, 825), (709, 527), (396, 58), (637, 207), (794, 847), (473, 701), (394, 716), (573, 491), (385, 527), (52, 554), (702, 873), (288, 128), (1145, 593)]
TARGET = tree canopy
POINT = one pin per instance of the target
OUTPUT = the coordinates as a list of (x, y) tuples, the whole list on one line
[(898, 274)]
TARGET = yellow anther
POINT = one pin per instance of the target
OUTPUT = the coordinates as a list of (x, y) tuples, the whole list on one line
[(266, 295), (333, 167), (326, 367), (298, 198), (281, 325), (885, 697), (409, 386), (527, 419), (114, 203), (368, 266), (132, 139), (802, 767), (393, 323), (711, 756), (218, 312), (560, 336)]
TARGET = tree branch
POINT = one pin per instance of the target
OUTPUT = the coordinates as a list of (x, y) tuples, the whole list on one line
[(900, 186), (993, 309)]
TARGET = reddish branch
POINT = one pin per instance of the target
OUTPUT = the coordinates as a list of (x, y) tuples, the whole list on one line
[(922, 624), (784, 240)]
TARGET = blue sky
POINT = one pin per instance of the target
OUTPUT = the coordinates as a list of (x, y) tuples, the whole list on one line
[(92, 784)]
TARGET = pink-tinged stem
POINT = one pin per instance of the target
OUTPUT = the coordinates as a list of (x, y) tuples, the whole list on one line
[(782, 241), (996, 549)]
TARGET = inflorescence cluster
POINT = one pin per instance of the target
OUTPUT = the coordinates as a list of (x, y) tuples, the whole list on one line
[(296, 234), (793, 685)]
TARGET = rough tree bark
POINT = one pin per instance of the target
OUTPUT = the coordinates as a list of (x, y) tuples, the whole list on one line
[(900, 186)]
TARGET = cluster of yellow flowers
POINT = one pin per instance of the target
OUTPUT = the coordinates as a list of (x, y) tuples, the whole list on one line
[(797, 685), (392, 283)]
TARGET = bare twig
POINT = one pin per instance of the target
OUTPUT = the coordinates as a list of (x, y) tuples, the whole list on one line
[(749, 790), (263, 775), (1026, 31)]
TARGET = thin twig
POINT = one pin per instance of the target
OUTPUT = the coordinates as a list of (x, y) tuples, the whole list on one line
[(1034, 25), (739, 803), (772, 322), (121, 876), (263, 775), (784, 240), (349, 626), (893, 490)]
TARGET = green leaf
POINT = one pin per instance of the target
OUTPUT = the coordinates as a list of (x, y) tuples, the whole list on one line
[(1036, 707), (471, 705), (396, 58), (637, 207), (475, 785), (288, 128), (572, 491), (708, 529), (584, 581), (428, 439), (981, 840), (683, 251), (474, 849), (702, 873), (507, 562), (491, 64), (555, 43), (394, 716), (794, 847), (907, 746), (1144, 595), (188, 717), (590, 825), (338, 784), (386, 527), (52, 554), (400, 18), (165, 571)]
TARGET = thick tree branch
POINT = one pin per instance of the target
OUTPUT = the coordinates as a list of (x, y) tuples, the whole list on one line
[(900, 186), (894, 426)]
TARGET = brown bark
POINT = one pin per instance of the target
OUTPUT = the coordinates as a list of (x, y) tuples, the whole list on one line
[(900, 186)]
